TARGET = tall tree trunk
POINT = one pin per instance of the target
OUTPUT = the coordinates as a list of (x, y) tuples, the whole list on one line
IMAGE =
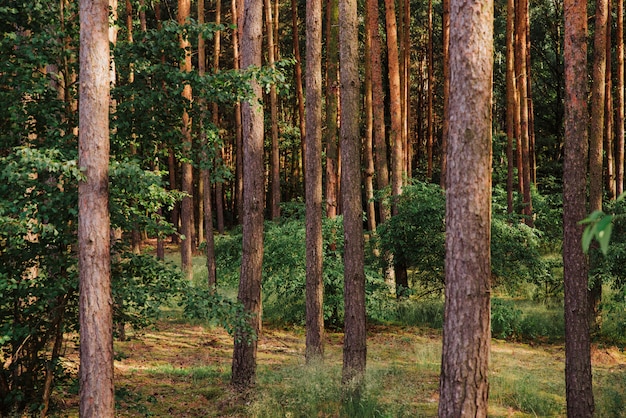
[(94, 259), (205, 173), (395, 135), (431, 78), (275, 156), (596, 138), (237, 111), (354, 346), (578, 380), (332, 108), (406, 76), (298, 70), (608, 112), (446, 91), (313, 189), (522, 88), (532, 161), (378, 107), (245, 351), (186, 214), (464, 388), (219, 186), (368, 172), (619, 122), (511, 100)]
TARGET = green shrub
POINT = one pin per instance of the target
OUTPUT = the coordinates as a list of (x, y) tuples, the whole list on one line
[(505, 318)]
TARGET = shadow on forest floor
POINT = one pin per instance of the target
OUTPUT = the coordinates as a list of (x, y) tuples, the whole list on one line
[(179, 369)]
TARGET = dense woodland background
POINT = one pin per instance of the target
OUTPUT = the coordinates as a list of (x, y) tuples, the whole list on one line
[(177, 164)]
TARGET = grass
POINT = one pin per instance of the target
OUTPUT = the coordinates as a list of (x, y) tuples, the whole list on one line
[(183, 370)]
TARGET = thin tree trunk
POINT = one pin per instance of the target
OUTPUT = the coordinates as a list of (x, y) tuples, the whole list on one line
[(378, 107), (313, 189), (237, 112), (395, 135), (354, 347), (532, 161), (245, 350), (205, 172), (578, 380), (186, 215), (332, 108), (406, 107), (596, 139), (608, 113), (94, 259), (368, 172), (464, 387), (619, 49), (275, 156), (511, 100), (298, 70), (446, 91), (522, 88), (431, 78)]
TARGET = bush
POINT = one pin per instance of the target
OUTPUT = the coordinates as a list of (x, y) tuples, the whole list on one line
[(416, 236)]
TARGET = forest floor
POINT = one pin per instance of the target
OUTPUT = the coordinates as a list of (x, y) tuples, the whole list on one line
[(178, 369)]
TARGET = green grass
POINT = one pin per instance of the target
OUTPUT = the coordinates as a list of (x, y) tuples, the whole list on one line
[(182, 368)]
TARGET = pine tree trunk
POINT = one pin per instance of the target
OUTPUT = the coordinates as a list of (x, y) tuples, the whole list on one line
[(578, 380), (378, 107), (237, 111), (522, 88), (464, 387), (354, 347), (186, 213), (94, 264), (245, 350), (275, 156), (313, 189), (368, 171), (619, 122), (608, 113), (431, 87), (395, 136), (332, 108), (511, 100), (446, 91)]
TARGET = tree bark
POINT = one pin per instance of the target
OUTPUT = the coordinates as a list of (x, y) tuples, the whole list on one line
[(578, 380), (186, 213), (332, 108), (619, 122), (245, 350), (608, 112), (313, 189), (298, 70), (522, 88), (237, 112), (378, 108), (354, 347), (395, 136), (275, 155), (369, 171), (446, 90), (464, 387), (94, 262), (511, 100), (431, 79), (205, 172)]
